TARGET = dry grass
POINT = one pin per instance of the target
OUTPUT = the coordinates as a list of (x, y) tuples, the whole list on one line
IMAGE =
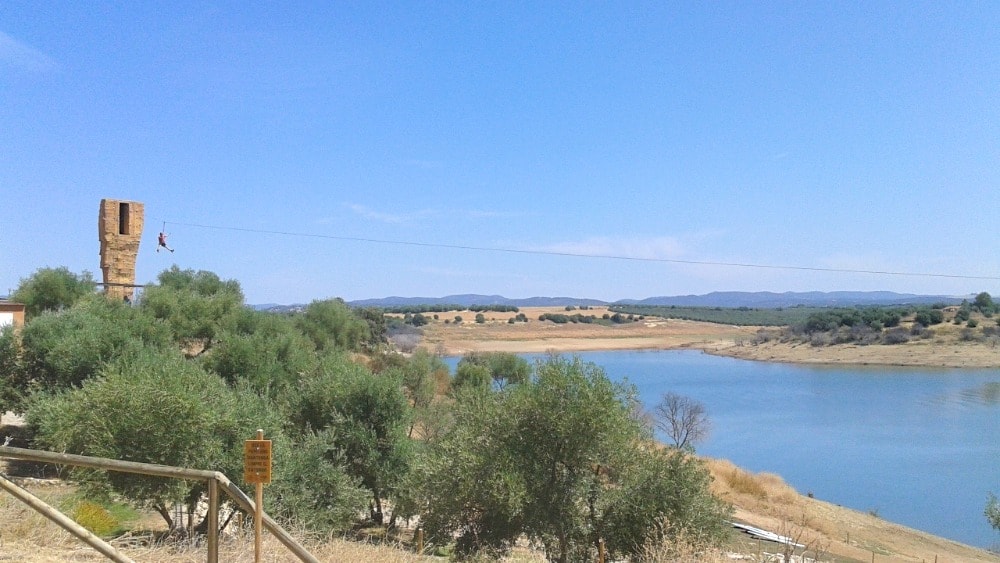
[(28, 537), (760, 490)]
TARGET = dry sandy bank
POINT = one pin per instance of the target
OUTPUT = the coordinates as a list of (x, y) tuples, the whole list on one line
[(946, 349)]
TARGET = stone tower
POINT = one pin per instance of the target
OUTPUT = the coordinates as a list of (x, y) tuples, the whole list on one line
[(119, 227)]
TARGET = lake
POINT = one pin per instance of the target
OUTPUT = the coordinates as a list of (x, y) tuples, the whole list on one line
[(919, 446)]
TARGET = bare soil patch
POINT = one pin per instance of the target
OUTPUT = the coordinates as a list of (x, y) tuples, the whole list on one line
[(498, 335)]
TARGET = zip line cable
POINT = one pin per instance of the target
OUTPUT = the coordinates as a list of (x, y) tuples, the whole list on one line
[(581, 255)]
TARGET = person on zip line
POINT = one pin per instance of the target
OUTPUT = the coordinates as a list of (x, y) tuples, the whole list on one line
[(162, 241)]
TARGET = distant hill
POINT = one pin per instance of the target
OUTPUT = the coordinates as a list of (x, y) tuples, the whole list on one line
[(770, 300), (466, 300), (759, 299)]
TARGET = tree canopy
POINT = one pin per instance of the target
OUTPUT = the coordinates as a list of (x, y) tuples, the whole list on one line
[(52, 289), (550, 459)]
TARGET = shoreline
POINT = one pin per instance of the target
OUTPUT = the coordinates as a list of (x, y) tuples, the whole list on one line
[(947, 350), (941, 356)]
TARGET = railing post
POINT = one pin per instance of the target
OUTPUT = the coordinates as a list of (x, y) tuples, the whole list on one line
[(213, 521)]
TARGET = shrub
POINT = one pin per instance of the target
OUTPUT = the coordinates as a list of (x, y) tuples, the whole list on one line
[(968, 335), (820, 339), (928, 317), (896, 335), (95, 518)]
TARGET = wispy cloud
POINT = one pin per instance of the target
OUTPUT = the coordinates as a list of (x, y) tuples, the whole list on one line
[(649, 248), (14, 54), (394, 218), (425, 214)]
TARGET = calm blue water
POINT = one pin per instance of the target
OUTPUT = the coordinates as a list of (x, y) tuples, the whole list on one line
[(920, 446)]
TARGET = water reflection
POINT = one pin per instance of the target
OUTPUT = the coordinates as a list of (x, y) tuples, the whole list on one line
[(986, 394)]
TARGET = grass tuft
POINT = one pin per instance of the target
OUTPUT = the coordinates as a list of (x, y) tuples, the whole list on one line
[(745, 483)]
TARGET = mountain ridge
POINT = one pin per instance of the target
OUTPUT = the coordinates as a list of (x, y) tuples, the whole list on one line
[(755, 299)]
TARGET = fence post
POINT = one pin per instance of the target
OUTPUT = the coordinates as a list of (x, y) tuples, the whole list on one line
[(213, 521)]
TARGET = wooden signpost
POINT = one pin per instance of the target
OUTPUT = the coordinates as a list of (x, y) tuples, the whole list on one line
[(257, 470)]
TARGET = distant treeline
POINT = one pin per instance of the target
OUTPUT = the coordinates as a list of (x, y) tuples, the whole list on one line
[(739, 316), (806, 319), (605, 319), (445, 308)]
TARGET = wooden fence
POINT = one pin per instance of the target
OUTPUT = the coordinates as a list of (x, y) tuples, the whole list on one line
[(214, 479)]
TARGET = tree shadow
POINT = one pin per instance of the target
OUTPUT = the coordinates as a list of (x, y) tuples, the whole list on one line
[(19, 436)]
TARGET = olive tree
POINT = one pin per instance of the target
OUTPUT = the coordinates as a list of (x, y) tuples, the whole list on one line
[(52, 289), (264, 350), (369, 416), (62, 349), (195, 305), (561, 459), (332, 325), (152, 408), (483, 369)]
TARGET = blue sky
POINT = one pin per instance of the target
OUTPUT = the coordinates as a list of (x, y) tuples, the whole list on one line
[(829, 135)]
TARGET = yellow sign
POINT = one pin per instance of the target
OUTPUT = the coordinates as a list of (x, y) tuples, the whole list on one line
[(257, 461)]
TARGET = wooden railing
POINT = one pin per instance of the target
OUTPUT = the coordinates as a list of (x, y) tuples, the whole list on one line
[(214, 479)]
